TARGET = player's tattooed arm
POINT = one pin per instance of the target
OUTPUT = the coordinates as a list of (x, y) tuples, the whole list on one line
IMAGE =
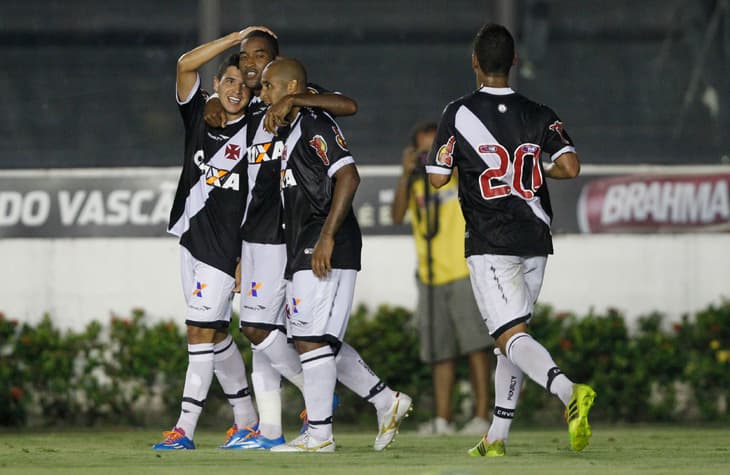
[(336, 104), (346, 182), (565, 166)]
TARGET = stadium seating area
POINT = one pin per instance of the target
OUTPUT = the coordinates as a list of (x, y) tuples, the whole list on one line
[(91, 84)]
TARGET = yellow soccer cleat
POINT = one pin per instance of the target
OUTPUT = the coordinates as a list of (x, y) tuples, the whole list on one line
[(488, 449), (576, 414)]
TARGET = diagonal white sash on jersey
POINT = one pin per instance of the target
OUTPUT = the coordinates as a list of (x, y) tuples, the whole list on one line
[(198, 194), (476, 134), (261, 136)]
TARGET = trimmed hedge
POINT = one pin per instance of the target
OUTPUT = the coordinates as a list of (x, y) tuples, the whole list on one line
[(132, 371)]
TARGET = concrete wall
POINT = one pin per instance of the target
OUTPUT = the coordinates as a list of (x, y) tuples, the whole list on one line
[(78, 280)]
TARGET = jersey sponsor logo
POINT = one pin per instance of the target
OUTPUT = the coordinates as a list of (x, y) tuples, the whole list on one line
[(319, 145), (257, 308), (557, 127), (202, 308), (253, 291), (198, 290), (233, 151), (445, 154), (218, 137), (287, 179), (216, 177), (265, 152), (339, 138)]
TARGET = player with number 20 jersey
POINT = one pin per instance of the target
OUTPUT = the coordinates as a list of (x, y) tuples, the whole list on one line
[(499, 138)]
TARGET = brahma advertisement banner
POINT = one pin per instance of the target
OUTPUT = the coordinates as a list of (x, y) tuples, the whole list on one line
[(655, 203), (136, 202)]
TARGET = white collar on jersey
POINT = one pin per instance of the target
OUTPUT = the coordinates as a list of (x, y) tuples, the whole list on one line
[(497, 91)]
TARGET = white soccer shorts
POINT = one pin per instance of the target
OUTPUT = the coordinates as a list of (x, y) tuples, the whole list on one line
[(263, 288), (505, 288), (208, 292), (319, 309)]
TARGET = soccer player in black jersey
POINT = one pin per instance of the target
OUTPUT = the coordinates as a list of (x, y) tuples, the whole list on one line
[(206, 215), (323, 243), (496, 139), (263, 253)]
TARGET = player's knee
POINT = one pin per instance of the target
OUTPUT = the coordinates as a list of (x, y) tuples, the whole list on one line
[(505, 335), (255, 335), (304, 346), (198, 334)]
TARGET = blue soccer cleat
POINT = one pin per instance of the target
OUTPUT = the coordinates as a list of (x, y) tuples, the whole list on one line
[(175, 440), (241, 439), (267, 444)]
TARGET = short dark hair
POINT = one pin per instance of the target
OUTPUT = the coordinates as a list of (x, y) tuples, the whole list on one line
[(273, 42), (494, 48), (421, 127), (232, 60)]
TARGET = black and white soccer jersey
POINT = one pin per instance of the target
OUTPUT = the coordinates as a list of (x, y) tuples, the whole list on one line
[(262, 222), (208, 207), (497, 139), (263, 217), (314, 151), (256, 108)]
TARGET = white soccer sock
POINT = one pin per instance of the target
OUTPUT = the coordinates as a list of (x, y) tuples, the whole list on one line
[(320, 377), (507, 385), (355, 374), (230, 370), (283, 357), (267, 388), (532, 358), (197, 383)]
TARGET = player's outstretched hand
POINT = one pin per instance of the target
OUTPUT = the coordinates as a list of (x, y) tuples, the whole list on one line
[(214, 114), (322, 255), (276, 114), (242, 34)]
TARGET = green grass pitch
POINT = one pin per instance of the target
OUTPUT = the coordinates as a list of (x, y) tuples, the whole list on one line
[(657, 450)]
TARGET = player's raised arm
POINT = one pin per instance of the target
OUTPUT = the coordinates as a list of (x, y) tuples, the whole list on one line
[(346, 181), (190, 62)]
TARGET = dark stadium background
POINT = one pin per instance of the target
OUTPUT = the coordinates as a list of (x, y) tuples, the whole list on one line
[(89, 84)]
